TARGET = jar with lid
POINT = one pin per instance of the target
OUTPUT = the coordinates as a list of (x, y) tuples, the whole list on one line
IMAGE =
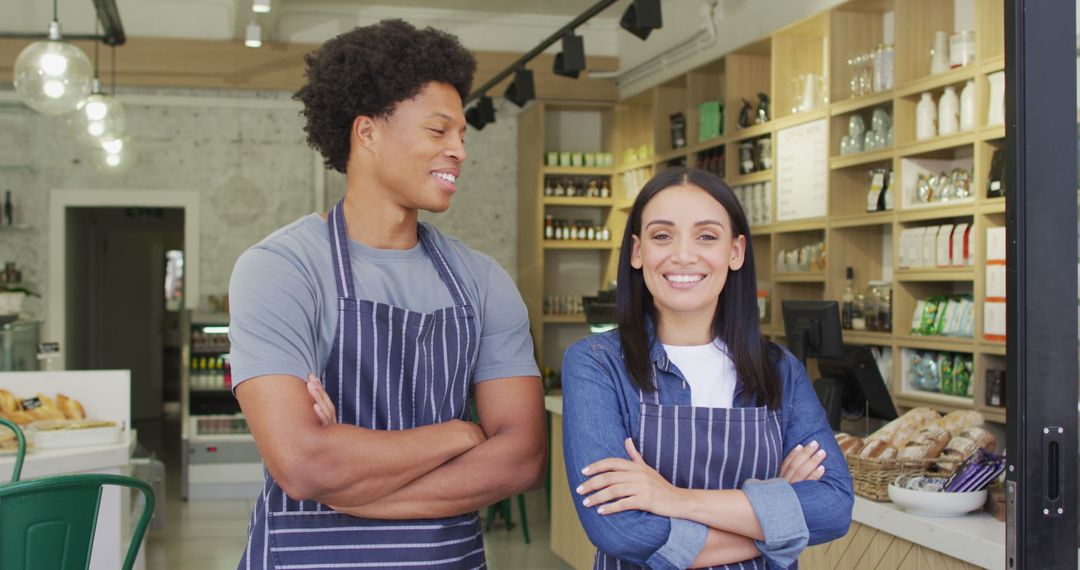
[(872, 309), (858, 313), (885, 307)]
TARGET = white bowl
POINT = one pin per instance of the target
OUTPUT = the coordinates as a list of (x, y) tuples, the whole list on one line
[(940, 504)]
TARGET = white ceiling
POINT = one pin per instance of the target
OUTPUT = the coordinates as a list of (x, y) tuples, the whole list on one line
[(495, 25)]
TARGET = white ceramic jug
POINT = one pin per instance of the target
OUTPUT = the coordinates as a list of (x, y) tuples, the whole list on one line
[(925, 118), (967, 106), (948, 112)]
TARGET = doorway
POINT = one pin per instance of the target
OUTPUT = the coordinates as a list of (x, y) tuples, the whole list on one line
[(118, 315)]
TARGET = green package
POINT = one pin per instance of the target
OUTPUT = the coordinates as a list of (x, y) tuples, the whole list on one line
[(961, 372), (939, 323), (916, 316), (929, 316), (945, 369)]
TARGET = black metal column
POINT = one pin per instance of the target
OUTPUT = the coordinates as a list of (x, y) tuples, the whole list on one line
[(1042, 444)]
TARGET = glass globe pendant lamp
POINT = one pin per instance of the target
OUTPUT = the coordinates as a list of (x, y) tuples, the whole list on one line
[(98, 117), (52, 76)]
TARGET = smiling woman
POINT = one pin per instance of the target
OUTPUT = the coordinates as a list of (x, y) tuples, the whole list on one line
[(690, 439)]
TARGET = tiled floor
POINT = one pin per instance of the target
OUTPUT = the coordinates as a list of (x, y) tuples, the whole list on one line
[(210, 535)]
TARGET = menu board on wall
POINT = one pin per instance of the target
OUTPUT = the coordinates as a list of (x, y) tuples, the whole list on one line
[(802, 164)]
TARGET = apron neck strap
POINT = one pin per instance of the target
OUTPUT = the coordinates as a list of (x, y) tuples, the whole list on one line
[(339, 246)]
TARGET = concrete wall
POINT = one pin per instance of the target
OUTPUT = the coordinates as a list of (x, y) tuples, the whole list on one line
[(245, 155)]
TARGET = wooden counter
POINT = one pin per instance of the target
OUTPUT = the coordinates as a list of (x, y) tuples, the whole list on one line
[(882, 535)]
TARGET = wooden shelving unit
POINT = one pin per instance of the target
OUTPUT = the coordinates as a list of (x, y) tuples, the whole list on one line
[(866, 241)]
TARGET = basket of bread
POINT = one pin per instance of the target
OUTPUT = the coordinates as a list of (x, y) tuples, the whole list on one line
[(921, 442)]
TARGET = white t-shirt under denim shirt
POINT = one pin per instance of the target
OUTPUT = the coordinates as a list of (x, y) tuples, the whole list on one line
[(709, 371)]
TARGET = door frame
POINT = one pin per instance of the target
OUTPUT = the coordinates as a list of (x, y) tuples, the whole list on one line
[(59, 203)]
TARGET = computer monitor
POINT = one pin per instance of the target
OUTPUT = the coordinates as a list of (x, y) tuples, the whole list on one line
[(852, 385), (812, 329)]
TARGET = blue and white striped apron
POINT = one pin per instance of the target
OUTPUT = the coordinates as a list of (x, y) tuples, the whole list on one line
[(390, 369), (706, 448)]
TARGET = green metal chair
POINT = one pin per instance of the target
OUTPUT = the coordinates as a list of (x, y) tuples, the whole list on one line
[(49, 523)]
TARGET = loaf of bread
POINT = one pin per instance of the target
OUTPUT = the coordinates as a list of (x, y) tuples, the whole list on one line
[(8, 403), (927, 444), (849, 444), (899, 431), (960, 420), (964, 445), (878, 449), (20, 417), (72, 409)]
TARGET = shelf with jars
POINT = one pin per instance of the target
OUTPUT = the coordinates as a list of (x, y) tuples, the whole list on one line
[(861, 61)]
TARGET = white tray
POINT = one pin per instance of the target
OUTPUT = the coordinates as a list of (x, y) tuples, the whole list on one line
[(53, 439)]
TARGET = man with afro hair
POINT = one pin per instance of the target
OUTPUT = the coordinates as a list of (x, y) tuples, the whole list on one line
[(362, 339)]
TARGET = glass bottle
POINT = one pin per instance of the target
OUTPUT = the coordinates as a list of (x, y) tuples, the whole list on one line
[(549, 190), (560, 190), (848, 300), (549, 227), (593, 191), (571, 191)]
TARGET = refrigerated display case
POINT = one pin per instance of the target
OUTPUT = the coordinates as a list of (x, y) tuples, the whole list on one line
[(220, 459)]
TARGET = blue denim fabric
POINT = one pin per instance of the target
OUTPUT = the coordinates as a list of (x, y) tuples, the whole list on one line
[(600, 410)]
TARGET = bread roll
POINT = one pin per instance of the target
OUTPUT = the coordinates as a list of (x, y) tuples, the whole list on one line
[(20, 417), (902, 429), (961, 420), (964, 445), (72, 409), (8, 403), (878, 449), (849, 444), (927, 444)]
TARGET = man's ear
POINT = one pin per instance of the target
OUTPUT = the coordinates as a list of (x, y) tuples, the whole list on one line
[(364, 132)]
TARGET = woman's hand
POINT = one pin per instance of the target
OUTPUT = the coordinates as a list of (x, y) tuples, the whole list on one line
[(804, 463), (324, 408), (619, 485)]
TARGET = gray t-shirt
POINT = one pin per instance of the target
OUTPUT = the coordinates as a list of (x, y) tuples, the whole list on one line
[(283, 301)]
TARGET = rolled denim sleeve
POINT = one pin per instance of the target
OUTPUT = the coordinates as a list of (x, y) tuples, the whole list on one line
[(826, 503), (780, 515), (594, 428)]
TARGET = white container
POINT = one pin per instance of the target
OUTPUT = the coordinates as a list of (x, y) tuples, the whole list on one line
[(939, 54), (11, 303), (925, 118), (948, 112), (45, 438), (996, 112), (967, 106), (938, 504), (962, 48)]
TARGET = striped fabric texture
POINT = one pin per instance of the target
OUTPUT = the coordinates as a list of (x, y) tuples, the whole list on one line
[(706, 448), (390, 369)]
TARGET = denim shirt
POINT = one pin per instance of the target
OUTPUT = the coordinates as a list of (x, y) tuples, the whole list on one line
[(601, 409)]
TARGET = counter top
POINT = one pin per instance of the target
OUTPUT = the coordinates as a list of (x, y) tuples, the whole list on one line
[(89, 458), (976, 538)]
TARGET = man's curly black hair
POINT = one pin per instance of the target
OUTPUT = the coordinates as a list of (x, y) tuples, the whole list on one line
[(368, 71)]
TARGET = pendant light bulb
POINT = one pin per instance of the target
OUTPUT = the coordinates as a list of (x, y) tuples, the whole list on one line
[(99, 117), (115, 156), (52, 76)]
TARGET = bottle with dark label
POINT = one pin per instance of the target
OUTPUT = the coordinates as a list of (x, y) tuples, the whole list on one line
[(9, 210), (848, 300)]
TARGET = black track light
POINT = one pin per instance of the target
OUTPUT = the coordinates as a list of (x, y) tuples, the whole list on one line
[(521, 90), (570, 62), (481, 114), (642, 17)]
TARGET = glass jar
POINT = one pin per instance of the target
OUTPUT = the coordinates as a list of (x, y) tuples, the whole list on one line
[(858, 313), (872, 307)]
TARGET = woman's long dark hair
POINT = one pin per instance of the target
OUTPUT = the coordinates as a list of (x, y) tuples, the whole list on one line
[(736, 319)]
